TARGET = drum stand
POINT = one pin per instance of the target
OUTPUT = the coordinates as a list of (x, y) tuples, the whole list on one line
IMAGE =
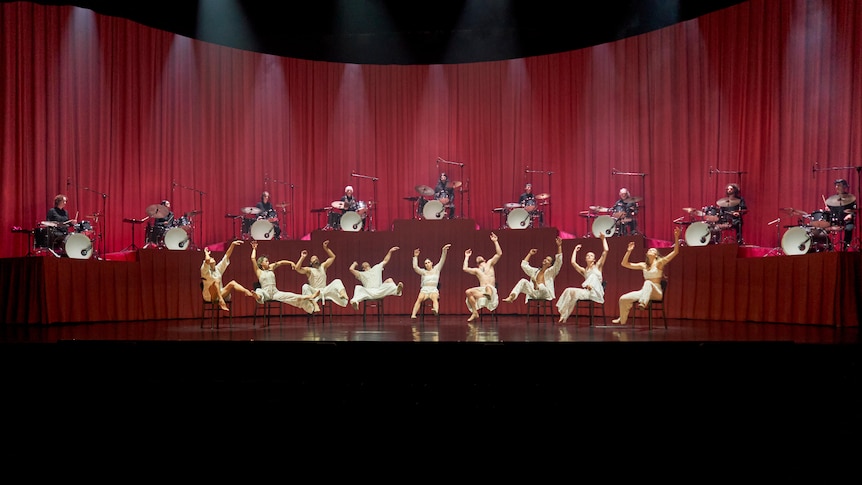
[(133, 222), (233, 222)]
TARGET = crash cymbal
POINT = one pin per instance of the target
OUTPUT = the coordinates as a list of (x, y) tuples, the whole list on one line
[(425, 190), (411, 199), (795, 212), (158, 211), (728, 202), (252, 211), (338, 204), (322, 209), (688, 210), (632, 200), (193, 213), (598, 208), (453, 184), (48, 224), (839, 200), (512, 205), (543, 196)]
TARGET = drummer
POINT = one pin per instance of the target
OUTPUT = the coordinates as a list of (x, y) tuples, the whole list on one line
[(59, 215), (444, 192), (625, 211), (349, 203), (163, 220), (267, 212), (842, 207), (529, 202), (731, 209)]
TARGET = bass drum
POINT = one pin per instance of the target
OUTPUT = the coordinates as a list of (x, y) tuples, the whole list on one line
[(78, 246), (433, 210), (604, 225), (262, 230), (698, 234), (177, 239), (803, 240), (351, 221), (518, 219)]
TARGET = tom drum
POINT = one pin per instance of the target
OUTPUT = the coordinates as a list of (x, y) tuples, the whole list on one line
[(262, 230), (351, 221), (177, 239), (604, 225), (433, 210), (821, 219), (698, 234), (518, 219)]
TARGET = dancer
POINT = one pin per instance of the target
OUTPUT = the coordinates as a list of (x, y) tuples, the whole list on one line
[(211, 278), (372, 286), (591, 288), (653, 271), (540, 286), (264, 270), (316, 273), (484, 295), (430, 279)]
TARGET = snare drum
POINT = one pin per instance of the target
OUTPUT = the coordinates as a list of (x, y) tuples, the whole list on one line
[(86, 229), (351, 221), (262, 230), (530, 205), (604, 225), (821, 219), (711, 214), (434, 210), (77, 246), (698, 234), (362, 209), (519, 219), (443, 198), (177, 239), (802, 240)]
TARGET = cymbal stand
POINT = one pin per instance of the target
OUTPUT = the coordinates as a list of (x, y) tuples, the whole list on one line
[(777, 250), (372, 209), (284, 234), (201, 194), (103, 227)]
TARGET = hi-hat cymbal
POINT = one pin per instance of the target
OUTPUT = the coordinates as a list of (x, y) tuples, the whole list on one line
[(193, 213), (454, 184), (411, 199), (728, 202), (158, 211), (283, 205), (48, 224), (849, 211), (839, 200), (598, 208), (512, 205), (795, 212), (338, 204), (322, 209), (252, 211), (543, 196), (632, 200), (425, 190)]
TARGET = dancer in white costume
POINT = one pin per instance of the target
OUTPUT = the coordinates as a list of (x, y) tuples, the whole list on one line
[(430, 279), (485, 294), (591, 288), (540, 286), (372, 286), (212, 273), (653, 270), (316, 273), (264, 270)]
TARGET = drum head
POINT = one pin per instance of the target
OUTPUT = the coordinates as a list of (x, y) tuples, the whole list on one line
[(177, 239), (518, 219), (351, 221), (433, 210), (796, 241), (261, 230), (78, 246), (697, 234), (362, 208), (530, 205), (821, 219), (604, 225)]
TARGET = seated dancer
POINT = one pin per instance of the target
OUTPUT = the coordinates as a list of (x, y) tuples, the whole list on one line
[(372, 286)]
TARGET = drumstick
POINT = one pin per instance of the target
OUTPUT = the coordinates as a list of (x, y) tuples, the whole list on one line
[(825, 205)]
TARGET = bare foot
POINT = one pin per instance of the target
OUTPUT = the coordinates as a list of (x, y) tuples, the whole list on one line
[(413, 317), (223, 305), (510, 298), (562, 321), (617, 320), (435, 310), (355, 305), (400, 288), (473, 316)]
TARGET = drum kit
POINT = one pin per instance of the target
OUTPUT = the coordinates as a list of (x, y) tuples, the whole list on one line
[(434, 206), (349, 219), (176, 235), (818, 231), (707, 224), (258, 224), (609, 220), (75, 241), (530, 214)]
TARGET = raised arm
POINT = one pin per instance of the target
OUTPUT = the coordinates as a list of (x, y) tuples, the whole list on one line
[(353, 270), (330, 259), (498, 251), (580, 269), (601, 262), (443, 253), (299, 266), (626, 263), (230, 248), (416, 262), (388, 254), (254, 259), (466, 267), (667, 259)]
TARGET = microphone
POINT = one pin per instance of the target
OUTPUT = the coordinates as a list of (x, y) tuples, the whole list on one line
[(613, 171), (68, 181), (174, 183), (291, 186), (814, 170)]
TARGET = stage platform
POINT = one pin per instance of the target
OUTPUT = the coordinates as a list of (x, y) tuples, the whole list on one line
[(714, 282)]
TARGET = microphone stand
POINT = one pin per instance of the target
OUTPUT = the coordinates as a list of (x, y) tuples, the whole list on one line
[(642, 175), (103, 228), (548, 173), (460, 192), (373, 208), (284, 209), (201, 194)]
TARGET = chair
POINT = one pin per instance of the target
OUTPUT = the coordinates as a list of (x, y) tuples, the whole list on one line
[(591, 306), (267, 308), (321, 302), (543, 307), (213, 311), (427, 303), (377, 304), (653, 306), (491, 314)]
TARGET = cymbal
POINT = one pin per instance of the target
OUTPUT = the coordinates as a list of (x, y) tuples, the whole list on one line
[(453, 184), (283, 205), (795, 212), (193, 213), (411, 199), (158, 211), (250, 211), (632, 200), (322, 209), (233, 216), (728, 202), (425, 190), (543, 196), (587, 214), (337, 204), (135, 221), (48, 224), (512, 205), (498, 209), (598, 208), (95, 215), (839, 200)]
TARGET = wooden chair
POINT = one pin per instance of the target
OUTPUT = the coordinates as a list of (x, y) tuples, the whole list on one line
[(267, 309), (491, 314), (213, 311), (543, 307), (591, 306), (375, 304), (654, 306), (427, 303), (321, 302)]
